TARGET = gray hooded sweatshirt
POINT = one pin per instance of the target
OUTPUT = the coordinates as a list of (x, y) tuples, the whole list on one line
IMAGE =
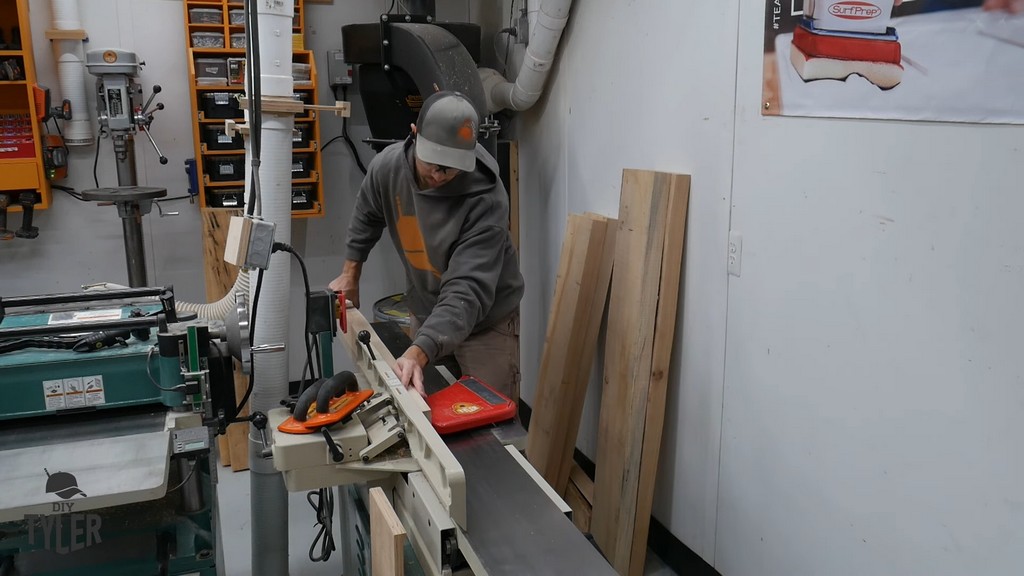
[(461, 267)]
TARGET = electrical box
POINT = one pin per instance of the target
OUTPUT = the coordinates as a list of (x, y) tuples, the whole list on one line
[(339, 72)]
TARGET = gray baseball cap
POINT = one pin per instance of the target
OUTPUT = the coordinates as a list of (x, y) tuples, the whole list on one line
[(446, 131)]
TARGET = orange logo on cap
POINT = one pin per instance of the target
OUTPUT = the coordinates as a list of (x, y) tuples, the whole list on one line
[(466, 131)]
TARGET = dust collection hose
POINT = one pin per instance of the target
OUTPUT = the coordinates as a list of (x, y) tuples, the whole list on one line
[(212, 311)]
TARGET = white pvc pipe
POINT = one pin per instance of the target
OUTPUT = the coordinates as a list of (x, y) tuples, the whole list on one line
[(65, 14), (540, 54), (268, 496), (71, 73)]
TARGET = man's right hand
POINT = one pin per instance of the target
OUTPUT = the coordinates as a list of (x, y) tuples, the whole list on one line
[(348, 281)]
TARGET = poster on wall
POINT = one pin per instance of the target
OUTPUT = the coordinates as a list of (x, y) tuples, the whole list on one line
[(936, 60)]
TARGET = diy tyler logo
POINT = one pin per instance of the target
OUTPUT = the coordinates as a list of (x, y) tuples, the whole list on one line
[(63, 484), (64, 531)]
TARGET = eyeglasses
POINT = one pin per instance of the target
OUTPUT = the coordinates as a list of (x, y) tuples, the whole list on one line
[(444, 170)]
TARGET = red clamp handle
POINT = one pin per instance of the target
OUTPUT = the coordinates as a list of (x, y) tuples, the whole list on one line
[(342, 312)]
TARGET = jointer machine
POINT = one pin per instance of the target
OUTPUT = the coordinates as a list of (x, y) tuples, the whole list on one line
[(469, 501)]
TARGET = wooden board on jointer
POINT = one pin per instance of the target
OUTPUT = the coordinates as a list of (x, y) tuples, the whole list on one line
[(645, 292), (581, 290), (387, 537)]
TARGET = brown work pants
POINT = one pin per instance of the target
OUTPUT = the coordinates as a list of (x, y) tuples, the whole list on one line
[(491, 355)]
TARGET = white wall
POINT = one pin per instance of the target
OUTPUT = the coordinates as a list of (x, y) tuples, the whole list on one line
[(629, 90), (82, 243), (873, 394), (872, 399)]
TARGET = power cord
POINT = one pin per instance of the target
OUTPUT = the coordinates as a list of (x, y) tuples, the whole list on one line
[(252, 327), (191, 471), (324, 508), (282, 247), (96, 160), (69, 191), (255, 103), (344, 135)]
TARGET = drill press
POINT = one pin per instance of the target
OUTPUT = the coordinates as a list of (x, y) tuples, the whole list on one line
[(120, 116)]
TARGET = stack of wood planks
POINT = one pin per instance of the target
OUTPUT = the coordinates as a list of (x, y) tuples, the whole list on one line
[(644, 247)]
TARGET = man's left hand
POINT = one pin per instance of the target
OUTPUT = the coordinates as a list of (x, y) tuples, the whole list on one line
[(409, 369)]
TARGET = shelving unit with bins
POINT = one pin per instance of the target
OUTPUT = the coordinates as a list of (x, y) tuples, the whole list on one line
[(21, 134), (216, 154), (220, 275)]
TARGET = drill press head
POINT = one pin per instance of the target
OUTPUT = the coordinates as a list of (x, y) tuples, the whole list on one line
[(115, 71)]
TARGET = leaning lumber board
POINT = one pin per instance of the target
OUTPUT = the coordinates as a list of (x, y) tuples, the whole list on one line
[(664, 334), (581, 290), (645, 292)]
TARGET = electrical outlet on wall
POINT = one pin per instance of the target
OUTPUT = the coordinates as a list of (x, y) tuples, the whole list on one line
[(735, 253)]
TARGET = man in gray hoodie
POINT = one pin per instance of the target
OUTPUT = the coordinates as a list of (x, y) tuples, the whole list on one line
[(439, 195)]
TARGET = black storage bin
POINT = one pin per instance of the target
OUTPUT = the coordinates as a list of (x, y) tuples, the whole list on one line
[(301, 135), (224, 168), (211, 71), (305, 98), (302, 197), (216, 138), (302, 165), (221, 105), (225, 197)]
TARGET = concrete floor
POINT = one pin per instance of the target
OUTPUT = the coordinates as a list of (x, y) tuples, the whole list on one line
[(233, 494)]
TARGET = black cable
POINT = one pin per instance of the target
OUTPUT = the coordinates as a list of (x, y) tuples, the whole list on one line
[(191, 471), (508, 36), (345, 136), (282, 247), (70, 192), (316, 354), (324, 508), (338, 137), (392, 6), (348, 139), (96, 161), (255, 103), (252, 331)]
